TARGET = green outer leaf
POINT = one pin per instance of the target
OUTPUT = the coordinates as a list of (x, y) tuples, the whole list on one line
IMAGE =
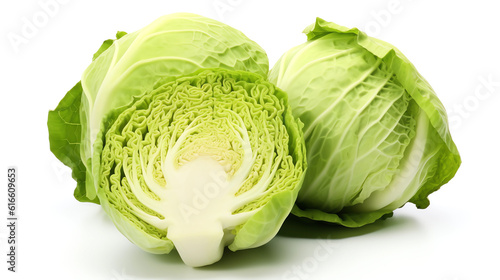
[(345, 219), (65, 137), (448, 159), (65, 133), (106, 44)]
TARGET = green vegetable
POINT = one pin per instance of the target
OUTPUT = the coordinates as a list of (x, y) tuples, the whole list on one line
[(196, 161), (376, 134), (176, 132), (205, 161)]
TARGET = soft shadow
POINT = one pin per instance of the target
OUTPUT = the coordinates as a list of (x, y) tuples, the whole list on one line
[(298, 227), (132, 263), (258, 257)]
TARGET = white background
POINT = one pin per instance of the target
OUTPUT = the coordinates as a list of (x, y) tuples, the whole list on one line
[(454, 44)]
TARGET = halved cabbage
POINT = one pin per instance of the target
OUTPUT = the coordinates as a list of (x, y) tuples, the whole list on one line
[(195, 162), (202, 162)]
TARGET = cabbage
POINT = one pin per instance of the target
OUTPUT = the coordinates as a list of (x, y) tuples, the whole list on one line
[(202, 162), (376, 134), (177, 132), (195, 161)]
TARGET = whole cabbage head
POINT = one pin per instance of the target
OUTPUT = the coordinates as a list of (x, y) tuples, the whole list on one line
[(376, 134)]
